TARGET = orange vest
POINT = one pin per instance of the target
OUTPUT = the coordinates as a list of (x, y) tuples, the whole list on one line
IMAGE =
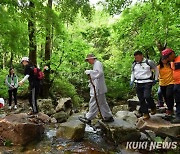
[(176, 70)]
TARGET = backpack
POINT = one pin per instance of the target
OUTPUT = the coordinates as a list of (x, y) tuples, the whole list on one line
[(147, 62), (38, 73), (134, 64)]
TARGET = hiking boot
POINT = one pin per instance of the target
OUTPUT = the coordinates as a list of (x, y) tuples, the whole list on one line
[(146, 116), (110, 119), (153, 111), (85, 120), (30, 113), (169, 112), (15, 107), (176, 121), (139, 114)]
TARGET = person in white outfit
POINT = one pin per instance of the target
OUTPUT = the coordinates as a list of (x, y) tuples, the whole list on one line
[(97, 77)]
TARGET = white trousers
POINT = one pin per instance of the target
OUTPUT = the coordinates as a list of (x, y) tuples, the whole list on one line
[(93, 108)]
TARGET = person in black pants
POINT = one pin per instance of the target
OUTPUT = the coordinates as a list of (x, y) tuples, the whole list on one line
[(143, 78), (12, 83), (34, 83)]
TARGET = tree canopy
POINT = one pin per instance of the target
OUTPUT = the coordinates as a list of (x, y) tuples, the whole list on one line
[(60, 33)]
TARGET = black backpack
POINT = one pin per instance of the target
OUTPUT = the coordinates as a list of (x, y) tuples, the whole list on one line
[(147, 62)]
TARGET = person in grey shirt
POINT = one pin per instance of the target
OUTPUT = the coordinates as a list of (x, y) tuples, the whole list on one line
[(97, 80), (142, 75)]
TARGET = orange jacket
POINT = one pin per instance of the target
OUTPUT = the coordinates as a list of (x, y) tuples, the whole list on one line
[(176, 70)]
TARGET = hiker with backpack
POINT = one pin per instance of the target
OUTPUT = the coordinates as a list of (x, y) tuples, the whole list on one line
[(142, 76), (175, 65), (12, 83), (33, 75), (166, 83)]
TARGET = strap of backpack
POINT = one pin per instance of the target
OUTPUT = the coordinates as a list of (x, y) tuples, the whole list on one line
[(133, 65)]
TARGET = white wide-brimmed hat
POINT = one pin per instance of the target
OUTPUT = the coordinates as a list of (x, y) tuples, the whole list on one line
[(90, 56)]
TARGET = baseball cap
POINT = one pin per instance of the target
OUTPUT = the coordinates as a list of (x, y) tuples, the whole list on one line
[(167, 52), (24, 59)]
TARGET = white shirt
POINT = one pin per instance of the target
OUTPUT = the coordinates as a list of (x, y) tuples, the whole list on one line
[(142, 72)]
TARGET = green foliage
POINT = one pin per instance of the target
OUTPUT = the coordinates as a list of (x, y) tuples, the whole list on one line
[(62, 88), (78, 29), (8, 143), (3, 87), (118, 71), (117, 6), (136, 28)]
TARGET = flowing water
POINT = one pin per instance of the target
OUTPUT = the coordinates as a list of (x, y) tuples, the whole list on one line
[(93, 143)]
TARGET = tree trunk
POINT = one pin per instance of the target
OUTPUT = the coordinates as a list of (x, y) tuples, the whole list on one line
[(47, 83), (160, 46), (32, 39), (11, 60)]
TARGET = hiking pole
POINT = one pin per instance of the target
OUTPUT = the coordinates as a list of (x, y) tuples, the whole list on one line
[(96, 97)]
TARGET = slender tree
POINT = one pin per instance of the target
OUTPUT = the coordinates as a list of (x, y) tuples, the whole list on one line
[(47, 83), (32, 35)]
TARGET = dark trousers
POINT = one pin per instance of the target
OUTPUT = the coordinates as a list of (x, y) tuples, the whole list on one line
[(34, 91), (168, 95), (12, 92), (160, 97), (145, 98), (177, 99)]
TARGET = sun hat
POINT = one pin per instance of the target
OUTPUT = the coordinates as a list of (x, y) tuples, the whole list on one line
[(90, 56)]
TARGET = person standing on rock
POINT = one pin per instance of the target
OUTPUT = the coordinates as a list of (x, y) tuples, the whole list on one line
[(34, 83), (12, 83), (143, 77), (175, 65), (98, 100), (166, 83)]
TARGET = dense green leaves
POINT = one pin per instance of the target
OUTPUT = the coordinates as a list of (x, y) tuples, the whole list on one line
[(76, 29)]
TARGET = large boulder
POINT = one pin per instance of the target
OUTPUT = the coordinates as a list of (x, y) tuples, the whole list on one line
[(61, 116), (127, 116), (132, 103), (64, 104), (20, 129), (120, 131), (46, 106), (160, 126), (43, 117), (73, 129), (119, 108)]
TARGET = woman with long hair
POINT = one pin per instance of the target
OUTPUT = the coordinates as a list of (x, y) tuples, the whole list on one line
[(12, 83)]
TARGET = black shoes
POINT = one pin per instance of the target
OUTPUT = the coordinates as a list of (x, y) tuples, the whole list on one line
[(109, 119), (85, 120)]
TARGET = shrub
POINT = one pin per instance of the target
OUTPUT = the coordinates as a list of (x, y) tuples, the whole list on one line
[(3, 87), (62, 88)]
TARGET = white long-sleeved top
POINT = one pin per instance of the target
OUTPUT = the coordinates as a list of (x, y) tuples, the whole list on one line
[(142, 73), (97, 76), (25, 78)]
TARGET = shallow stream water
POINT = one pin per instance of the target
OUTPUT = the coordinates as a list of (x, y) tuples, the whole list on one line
[(93, 143)]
